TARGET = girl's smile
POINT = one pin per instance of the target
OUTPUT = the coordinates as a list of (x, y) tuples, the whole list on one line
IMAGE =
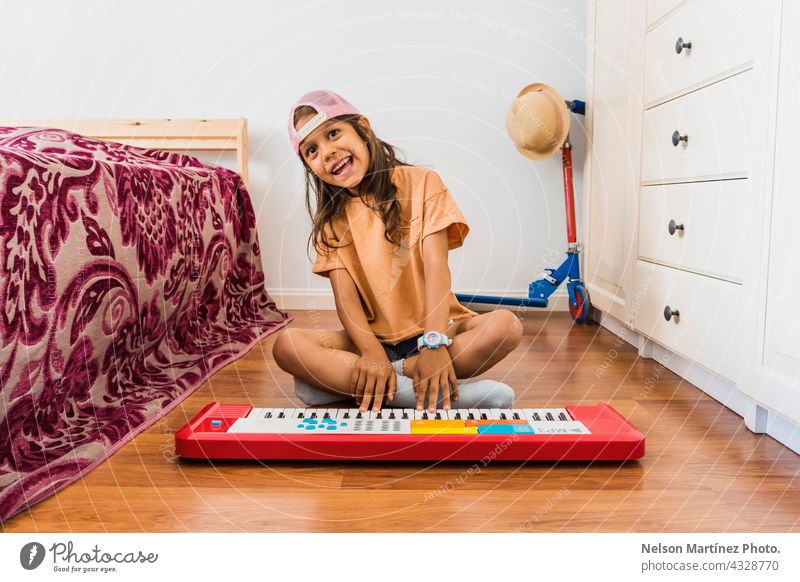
[(336, 154)]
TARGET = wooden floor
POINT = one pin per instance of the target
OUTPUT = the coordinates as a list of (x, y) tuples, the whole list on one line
[(703, 471)]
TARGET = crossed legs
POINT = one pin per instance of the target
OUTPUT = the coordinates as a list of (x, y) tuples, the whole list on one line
[(325, 358)]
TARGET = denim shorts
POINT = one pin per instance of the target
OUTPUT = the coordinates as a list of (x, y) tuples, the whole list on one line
[(404, 349)]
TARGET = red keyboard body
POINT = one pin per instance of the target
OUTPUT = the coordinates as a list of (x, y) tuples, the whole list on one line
[(605, 435)]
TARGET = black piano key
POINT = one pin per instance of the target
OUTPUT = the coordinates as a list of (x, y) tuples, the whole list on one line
[(346, 415), (536, 416), (313, 415), (483, 416), (391, 416), (503, 416), (516, 416), (424, 416), (327, 415), (562, 416), (438, 416), (549, 416), (379, 415), (458, 416), (358, 416), (281, 415), (299, 415), (268, 414), (471, 416), (405, 416)]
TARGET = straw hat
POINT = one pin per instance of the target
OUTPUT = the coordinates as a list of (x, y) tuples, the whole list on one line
[(538, 121)]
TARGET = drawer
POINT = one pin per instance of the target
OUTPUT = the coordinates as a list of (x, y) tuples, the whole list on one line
[(707, 325), (712, 226), (715, 127), (657, 9), (721, 39)]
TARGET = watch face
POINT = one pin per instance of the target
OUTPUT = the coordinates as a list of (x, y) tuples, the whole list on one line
[(433, 338)]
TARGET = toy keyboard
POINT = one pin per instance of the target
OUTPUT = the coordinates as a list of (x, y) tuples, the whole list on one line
[(578, 433)]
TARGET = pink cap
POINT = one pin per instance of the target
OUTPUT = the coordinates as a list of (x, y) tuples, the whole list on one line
[(327, 104)]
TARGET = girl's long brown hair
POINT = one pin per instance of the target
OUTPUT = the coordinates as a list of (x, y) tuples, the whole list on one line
[(377, 182)]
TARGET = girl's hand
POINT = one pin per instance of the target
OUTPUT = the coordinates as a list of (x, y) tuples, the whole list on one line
[(434, 372), (373, 377)]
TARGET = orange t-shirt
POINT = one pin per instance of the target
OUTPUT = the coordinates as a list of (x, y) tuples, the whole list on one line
[(391, 278)]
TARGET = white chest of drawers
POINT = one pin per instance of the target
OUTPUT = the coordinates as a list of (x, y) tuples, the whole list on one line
[(701, 145), (697, 206)]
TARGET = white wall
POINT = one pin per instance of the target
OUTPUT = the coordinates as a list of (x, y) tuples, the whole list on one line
[(435, 82)]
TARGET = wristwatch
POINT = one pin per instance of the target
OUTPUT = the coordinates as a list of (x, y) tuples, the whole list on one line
[(432, 340)]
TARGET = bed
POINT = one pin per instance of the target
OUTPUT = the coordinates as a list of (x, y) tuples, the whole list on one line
[(130, 274)]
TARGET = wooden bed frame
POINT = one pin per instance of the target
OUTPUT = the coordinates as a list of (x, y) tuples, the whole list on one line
[(164, 134)]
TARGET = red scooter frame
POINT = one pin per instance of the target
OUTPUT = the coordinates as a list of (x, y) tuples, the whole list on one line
[(540, 290)]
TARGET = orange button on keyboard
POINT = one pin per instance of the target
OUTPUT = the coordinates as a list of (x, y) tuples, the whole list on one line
[(441, 427)]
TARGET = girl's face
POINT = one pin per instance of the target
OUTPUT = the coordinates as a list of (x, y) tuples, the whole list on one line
[(335, 153)]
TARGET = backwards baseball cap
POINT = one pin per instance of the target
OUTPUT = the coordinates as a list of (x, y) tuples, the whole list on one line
[(327, 105)]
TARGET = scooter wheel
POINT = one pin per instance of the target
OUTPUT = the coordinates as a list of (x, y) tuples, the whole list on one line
[(580, 310)]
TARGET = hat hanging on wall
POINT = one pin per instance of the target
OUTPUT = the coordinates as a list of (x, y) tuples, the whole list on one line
[(538, 121)]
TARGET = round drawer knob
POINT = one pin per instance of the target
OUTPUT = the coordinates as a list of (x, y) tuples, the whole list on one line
[(680, 45), (678, 138), (669, 313), (673, 226)]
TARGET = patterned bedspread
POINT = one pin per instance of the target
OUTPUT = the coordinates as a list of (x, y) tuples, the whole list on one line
[(127, 277)]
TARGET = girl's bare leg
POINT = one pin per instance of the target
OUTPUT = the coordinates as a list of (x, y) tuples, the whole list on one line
[(321, 358)]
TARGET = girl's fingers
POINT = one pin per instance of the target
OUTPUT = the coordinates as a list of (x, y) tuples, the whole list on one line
[(361, 385), (445, 384), (422, 391), (453, 383), (392, 387), (369, 394), (433, 396), (380, 389)]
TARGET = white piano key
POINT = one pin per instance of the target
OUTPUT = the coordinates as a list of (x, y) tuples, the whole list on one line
[(289, 413), (419, 414), (257, 413), (463, 413), (492, 413)]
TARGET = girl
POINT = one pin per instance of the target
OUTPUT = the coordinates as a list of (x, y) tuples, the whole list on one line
[(382, 230)]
